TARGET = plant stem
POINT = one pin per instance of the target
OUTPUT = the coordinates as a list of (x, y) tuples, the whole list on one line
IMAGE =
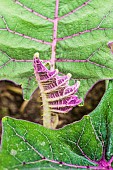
[(46, 112), (46, 109)]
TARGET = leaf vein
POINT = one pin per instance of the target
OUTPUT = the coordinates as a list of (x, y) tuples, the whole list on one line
[(32, 11), (20, 34), (21, 137), (83, 32), (73, 11)]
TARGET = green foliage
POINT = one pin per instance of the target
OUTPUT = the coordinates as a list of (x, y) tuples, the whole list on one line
[(84, 29), (27, 145)]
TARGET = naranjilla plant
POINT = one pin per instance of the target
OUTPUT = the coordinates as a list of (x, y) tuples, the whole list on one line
[(76, 39), (57, 96)]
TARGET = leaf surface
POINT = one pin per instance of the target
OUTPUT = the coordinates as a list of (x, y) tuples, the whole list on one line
[(73, 35), (84, 144)]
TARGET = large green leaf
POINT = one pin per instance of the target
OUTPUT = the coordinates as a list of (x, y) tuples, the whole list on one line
[(78, 31), (84, 144)]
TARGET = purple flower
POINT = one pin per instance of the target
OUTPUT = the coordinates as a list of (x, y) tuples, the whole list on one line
[(55, 89)]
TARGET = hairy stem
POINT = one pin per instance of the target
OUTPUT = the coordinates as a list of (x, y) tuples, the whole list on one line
[(46, 109), (46, 112)]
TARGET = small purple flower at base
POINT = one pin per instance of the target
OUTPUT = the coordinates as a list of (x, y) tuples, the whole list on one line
[(57, 93)]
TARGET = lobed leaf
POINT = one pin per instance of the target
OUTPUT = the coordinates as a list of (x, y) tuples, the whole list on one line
[(86, 144), (72, 35)]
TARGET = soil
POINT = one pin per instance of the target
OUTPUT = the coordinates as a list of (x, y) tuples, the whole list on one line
[(12, 104)]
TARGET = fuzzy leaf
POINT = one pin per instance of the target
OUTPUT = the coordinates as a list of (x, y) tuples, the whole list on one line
[(57, 96), (73, 35), (86, 144)]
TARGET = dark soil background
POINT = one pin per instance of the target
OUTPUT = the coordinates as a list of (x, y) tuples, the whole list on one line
[(12, 104)]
